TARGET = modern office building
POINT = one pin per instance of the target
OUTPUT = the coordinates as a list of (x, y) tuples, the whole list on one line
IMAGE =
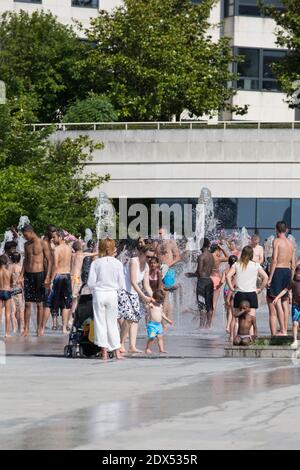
[(252, 35)]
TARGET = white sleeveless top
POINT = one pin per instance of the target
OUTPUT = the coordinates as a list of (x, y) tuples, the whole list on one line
[(139, 274), (246, 279)]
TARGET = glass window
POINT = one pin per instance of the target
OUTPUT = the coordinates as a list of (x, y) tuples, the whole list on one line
[(270, 211), (248, 7), (271, 57), (248, 69), (295, 223), (85, 3), (246, 212)]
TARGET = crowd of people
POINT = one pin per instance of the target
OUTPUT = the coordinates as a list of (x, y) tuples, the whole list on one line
[(247, 274), (53, 272)]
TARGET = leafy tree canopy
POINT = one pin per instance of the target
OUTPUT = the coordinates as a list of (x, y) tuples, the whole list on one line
[(42, 179), (155, 58), (288, 37), (41, 58), (95, 108)]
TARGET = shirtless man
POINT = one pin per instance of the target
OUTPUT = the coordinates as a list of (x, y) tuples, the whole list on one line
[(168, 254), (205, 288), (258, 251), (281, 272), (166, 249), (61, 288), (48, 246), (34, 276)]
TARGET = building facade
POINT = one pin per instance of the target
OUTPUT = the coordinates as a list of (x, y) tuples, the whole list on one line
[(252, 36)]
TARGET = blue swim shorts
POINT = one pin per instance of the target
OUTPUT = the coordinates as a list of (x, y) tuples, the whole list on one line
[(296, 313), (154, 329)]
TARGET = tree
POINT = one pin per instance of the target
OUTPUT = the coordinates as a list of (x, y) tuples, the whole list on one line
[(40, 58), (95, 108), (154, 59), (288, 37), (44, 180)]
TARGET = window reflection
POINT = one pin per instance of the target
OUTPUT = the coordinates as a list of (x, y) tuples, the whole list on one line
[(269, 211)]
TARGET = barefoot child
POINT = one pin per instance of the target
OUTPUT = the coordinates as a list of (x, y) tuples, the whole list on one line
[(246, 322), (154, 325), (17, 298), (295, 287), (5, 291), (228, 300)]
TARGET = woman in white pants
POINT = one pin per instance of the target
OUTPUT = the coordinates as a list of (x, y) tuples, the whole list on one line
[(105, 279)]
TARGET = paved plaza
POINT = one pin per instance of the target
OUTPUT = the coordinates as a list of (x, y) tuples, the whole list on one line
[(192, 399)]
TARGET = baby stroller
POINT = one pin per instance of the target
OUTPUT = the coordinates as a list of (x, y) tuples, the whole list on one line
[(79, 344)]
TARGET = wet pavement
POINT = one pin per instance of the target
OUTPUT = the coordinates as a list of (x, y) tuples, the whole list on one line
[(192, 398), (195, 399)]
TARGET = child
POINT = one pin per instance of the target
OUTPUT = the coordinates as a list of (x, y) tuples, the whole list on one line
[(17, 299), (295, 288), (155, 276), (228, 300), (246, 322), (76, 266), (5, 291), (155, 317)]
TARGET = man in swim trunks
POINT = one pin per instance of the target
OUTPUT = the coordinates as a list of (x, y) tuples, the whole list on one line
[(205, 288), (168, 254), (36, 256), (48, 246), (60, 286), (281, 272)]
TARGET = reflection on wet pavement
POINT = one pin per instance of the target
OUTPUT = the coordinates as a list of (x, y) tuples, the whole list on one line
[(93, 424)]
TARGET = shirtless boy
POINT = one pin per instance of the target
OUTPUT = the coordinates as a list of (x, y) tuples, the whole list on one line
[(36, 256), (246, 322), (281, 272), (258, 251), (155, 317), (5, 292), (60, 286), (17, 299)]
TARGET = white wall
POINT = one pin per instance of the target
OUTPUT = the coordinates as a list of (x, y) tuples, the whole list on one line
[(177, 163), (253, 32), (264, 106)]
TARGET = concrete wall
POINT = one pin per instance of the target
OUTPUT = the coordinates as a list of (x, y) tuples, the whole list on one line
[(177, 163)]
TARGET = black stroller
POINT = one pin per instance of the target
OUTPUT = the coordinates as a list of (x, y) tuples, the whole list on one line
[(79, 344)]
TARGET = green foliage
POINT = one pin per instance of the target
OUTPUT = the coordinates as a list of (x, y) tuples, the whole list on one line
[(288, 37), (95, 108), (40, 59), (44, 180), (154, 59)]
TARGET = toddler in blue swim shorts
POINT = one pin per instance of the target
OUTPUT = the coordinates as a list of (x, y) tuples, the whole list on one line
[(154, 325)]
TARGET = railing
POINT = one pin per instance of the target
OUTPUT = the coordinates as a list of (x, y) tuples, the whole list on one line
[(165, 125)]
